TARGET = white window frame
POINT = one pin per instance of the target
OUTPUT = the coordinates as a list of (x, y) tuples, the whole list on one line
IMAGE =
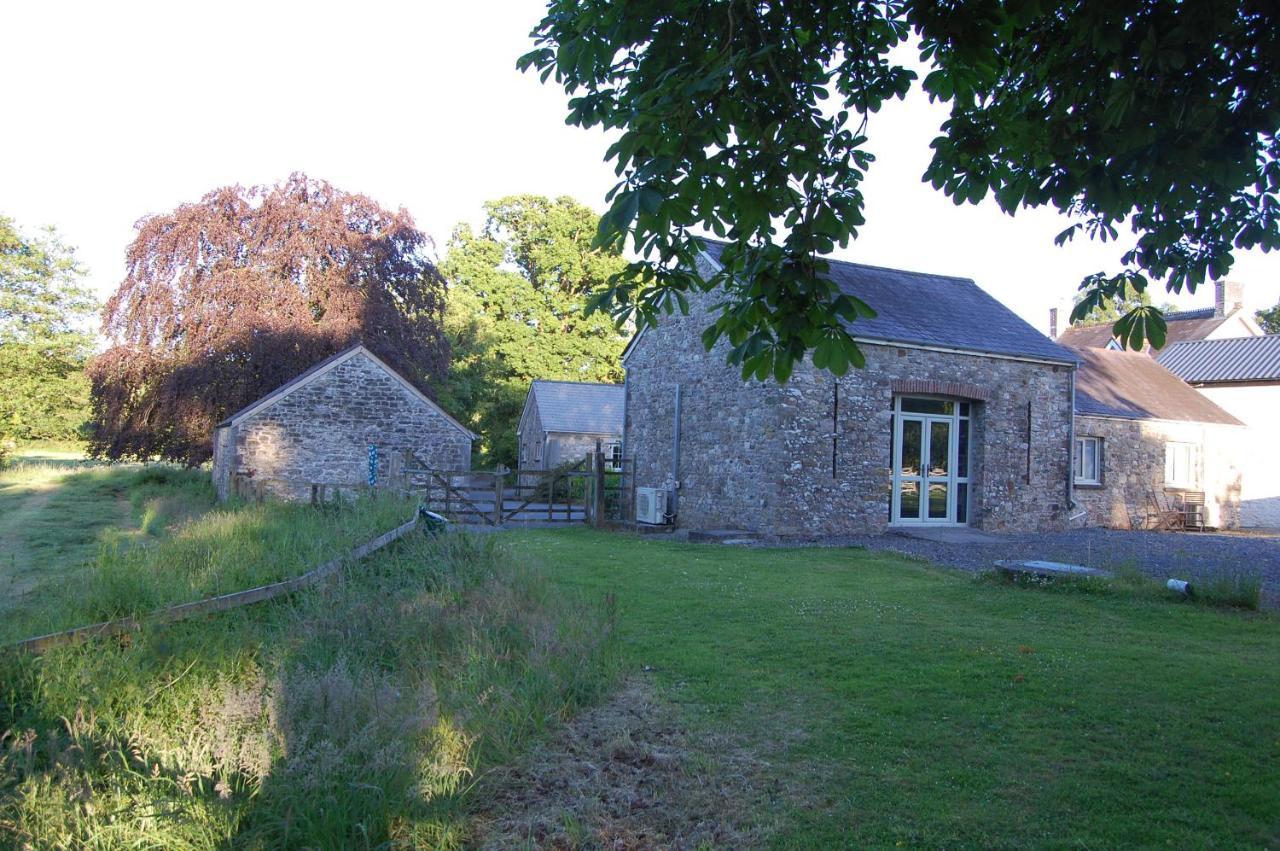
[(1079, 467), (1185, 474), (613, 457)]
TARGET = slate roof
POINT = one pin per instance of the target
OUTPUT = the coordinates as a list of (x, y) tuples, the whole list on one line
[(1184, 325), (577, 407), (934, 310), (1133, 386), (1233, 359)]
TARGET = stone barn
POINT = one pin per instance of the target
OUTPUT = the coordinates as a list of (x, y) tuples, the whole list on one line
[(1142, 434), (323, 426), (563, 420), (961, 417)]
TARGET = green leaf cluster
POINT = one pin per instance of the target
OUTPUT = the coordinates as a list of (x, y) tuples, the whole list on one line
[(44, 344), (748, 120), (1269, 319), (518, 293)]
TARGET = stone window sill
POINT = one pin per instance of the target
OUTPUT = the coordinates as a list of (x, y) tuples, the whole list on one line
[(1089, 486)]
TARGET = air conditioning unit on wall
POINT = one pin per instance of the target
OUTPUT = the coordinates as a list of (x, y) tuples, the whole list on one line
[(651, 506)]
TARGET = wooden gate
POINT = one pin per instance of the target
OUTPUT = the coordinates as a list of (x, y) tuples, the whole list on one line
[(586, 491)]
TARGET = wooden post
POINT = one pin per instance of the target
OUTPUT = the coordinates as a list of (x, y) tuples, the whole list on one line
[(629, 513), (597, 510), (551, 495), (497, 498)]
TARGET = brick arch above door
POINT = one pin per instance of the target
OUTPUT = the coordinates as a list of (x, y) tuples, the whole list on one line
[(929, 387)]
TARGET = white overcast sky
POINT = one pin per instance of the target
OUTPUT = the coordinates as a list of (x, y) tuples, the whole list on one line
[(117, 110)]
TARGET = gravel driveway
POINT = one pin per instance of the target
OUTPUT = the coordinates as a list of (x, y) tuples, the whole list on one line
[(1185, 555)]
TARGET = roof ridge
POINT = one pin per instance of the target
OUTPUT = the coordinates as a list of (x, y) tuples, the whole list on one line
[(583, 383), (855, 264), (1206, 312), (1242, 339)]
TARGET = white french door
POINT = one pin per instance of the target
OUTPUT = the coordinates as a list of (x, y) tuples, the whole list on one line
[(930, 461)]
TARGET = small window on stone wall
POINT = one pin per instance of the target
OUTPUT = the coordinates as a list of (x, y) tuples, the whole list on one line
[(613, 457), (1088, 461)]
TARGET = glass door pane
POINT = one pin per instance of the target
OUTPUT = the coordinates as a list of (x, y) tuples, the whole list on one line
[(909, 500), (939, 447), (912, 437), (937, 500)]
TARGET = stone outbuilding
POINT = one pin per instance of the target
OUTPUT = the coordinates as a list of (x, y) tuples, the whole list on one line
[(1242, 376), (563, 420), (324, 426), (961, 417)]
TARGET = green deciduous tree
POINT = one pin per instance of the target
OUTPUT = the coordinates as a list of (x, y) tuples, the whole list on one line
[(1111, 310), (44, 341), (517, 293), (748, 119), (1269, 319)]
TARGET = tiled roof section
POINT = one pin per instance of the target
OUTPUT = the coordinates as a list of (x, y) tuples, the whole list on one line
[(578, 407), (1134, 386), (1234, 359), (1086, 336), (934, 310), (1183, 326)]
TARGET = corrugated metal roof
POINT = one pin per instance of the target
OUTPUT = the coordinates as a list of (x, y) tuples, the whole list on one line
[(1233, 359), (578, 407), (1133, 386), (934, 310)]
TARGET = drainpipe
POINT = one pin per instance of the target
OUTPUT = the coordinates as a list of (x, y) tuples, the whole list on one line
[(675, 455), (626, 392), (1071, 452)]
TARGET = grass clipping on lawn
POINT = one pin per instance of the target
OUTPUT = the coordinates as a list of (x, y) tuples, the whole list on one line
[(352, 715)]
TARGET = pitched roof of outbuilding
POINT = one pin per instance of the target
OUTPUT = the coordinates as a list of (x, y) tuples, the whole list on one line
[(578, 407), (1181, 326), (934, 310), (1132, 386), (1233, 359), (325, 366)]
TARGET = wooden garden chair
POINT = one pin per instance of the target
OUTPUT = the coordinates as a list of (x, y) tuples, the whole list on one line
[(1162, 515), (1193, 510)]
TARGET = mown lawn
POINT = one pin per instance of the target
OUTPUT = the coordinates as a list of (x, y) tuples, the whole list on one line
[(900, 705)]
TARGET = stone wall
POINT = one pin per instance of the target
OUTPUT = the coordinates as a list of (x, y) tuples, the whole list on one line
[(784, 460), (321, 432), (1133, 467), (532, 439), (565, 448)]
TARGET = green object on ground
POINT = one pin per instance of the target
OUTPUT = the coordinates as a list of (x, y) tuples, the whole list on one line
[(432, 523)]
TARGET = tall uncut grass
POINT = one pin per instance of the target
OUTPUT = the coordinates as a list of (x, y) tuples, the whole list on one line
[(356, 715), (179, 555)]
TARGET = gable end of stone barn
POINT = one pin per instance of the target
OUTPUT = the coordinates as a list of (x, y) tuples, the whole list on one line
[(318, 430)]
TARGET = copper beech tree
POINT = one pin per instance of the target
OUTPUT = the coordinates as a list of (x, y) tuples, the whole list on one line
[(230, 297)]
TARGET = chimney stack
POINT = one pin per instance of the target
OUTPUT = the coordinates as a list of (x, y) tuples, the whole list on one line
[(1053, 323), (1228, 297)]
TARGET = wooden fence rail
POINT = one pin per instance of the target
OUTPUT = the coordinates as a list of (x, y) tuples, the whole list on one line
[(41, 643)]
